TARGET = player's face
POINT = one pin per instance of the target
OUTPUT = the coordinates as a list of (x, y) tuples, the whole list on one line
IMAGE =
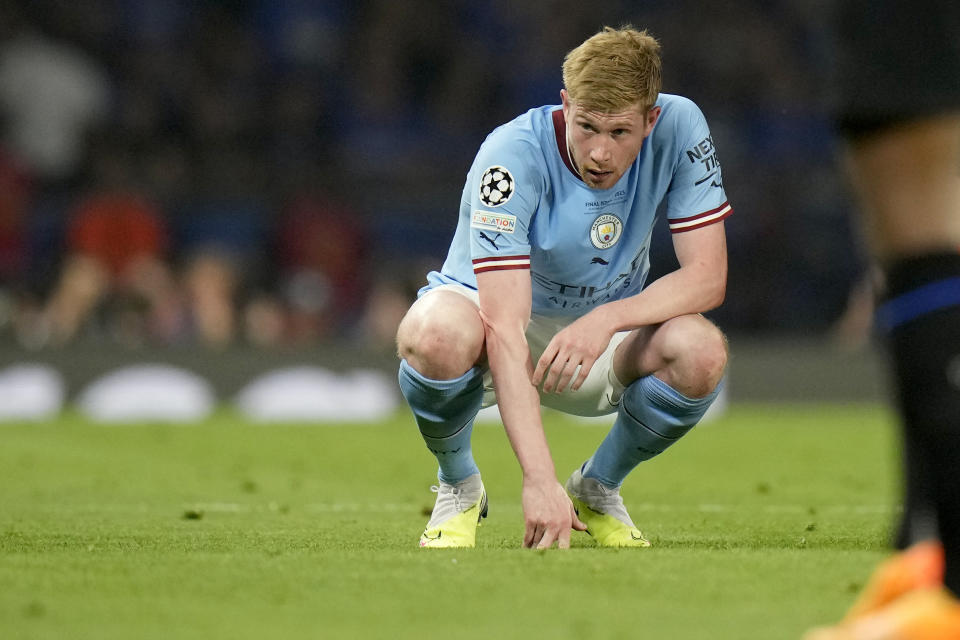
[(602, 146)]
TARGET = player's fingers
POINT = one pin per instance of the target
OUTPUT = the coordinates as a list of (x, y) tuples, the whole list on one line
[(551, 376), (550, 536), (563, 542), (585, 368), (576, 522), (555, 374), (536, 534), (543, 364), (539, 370), (528, 535), (568, 371)]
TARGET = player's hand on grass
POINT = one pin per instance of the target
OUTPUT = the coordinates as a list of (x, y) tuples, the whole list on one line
[(579, 344), (548, 515)]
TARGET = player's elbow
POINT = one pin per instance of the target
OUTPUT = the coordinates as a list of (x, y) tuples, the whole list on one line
[(503, 334), (707, 279), (716, 291)]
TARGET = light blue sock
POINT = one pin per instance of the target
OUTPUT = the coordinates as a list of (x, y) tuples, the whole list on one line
[(444, 410), (653, 415)]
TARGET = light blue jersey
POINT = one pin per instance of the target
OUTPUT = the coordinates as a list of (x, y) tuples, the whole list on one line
[(524, 207)]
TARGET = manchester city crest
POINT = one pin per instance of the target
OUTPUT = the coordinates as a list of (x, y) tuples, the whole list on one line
[(606, 231)]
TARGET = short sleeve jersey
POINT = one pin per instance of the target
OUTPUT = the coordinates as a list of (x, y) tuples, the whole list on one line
[(524, 207)]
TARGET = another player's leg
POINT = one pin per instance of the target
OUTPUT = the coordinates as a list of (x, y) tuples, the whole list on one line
[(919, 567), (440, 341), (915, 206), (922, 314), (674, 371), (920, 614), (900, 110)]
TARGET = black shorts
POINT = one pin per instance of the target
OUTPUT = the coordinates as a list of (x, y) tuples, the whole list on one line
[(898, 60)]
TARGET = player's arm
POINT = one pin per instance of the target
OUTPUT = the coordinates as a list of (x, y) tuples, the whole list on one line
[(698, 285), (505, 302)]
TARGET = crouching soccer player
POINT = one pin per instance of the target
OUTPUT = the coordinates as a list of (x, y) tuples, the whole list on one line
[(541, 299)]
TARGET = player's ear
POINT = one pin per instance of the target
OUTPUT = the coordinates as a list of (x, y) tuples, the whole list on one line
[(650, 120), (565, 101)]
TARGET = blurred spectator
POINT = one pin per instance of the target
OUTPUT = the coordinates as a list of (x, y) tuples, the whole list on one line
[(16, 191), (391, 294), (210, 283), (115, 249), (264, 321), (322, 264), (221, 246), (853, 330), (51, 94)]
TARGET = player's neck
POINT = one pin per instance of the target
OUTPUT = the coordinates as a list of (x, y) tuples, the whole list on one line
[(573, 161)]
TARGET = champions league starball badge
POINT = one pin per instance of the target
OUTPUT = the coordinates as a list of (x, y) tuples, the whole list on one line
[(606, 231), (496, 186)]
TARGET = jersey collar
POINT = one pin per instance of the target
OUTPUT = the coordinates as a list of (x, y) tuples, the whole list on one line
[(560, 131)]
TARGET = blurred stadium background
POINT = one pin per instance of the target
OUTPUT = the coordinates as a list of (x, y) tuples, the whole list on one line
[(235, 187)]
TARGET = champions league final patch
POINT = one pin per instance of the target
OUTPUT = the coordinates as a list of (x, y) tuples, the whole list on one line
[(496, 186)]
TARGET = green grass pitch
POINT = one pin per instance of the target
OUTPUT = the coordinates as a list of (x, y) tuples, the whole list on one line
[(763, 523)]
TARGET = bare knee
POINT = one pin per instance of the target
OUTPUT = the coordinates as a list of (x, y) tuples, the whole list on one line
[(695, 352), (441, 336)]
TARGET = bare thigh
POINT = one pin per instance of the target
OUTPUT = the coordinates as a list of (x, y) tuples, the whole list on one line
[(907, 178)]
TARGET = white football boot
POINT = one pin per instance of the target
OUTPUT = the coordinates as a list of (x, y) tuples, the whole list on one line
[(602, 510), (456, 514)]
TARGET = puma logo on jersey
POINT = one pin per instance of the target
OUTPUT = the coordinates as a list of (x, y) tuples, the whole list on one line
[(492, 241)]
